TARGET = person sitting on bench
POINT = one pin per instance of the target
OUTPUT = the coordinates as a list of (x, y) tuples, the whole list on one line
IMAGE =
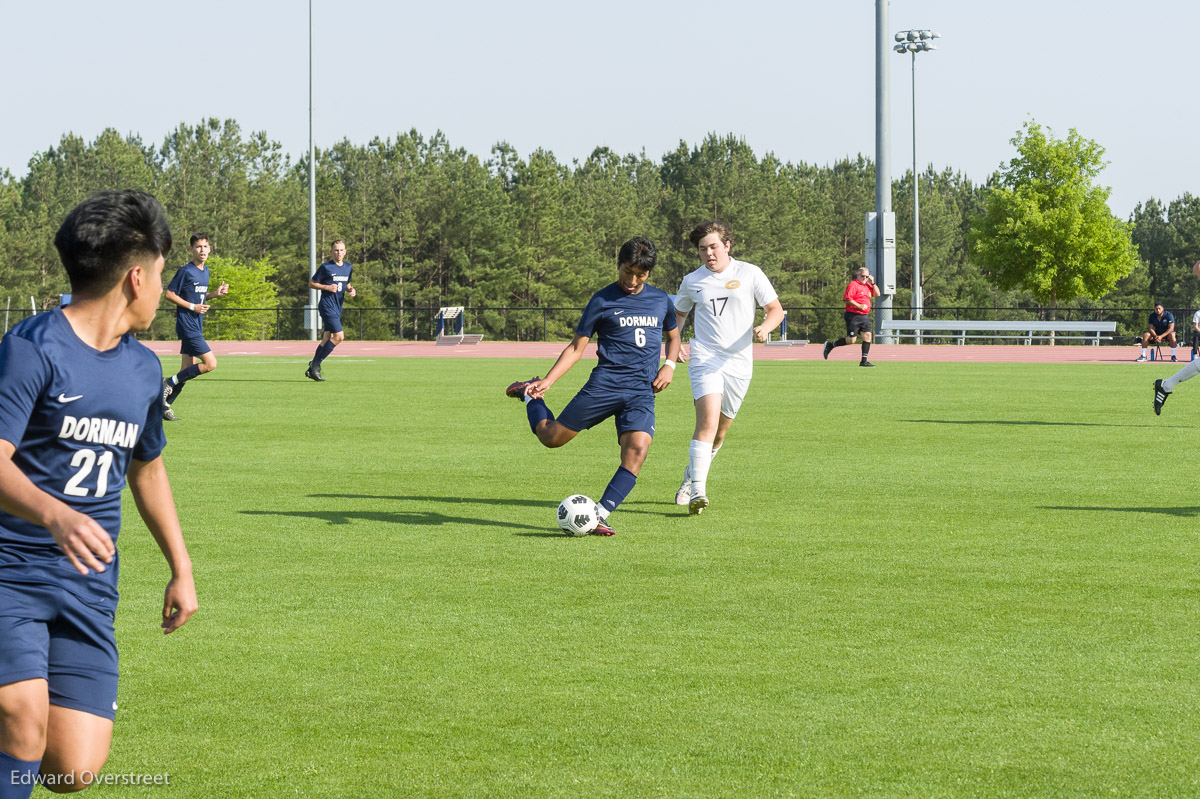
[(1161, 329)]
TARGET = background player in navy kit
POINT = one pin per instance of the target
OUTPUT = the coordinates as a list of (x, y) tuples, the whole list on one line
[(189, 291), (79, 412), (630, 320), (332, 278)]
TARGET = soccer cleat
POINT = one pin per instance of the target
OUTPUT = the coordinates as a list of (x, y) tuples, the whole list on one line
[(169, 415), (697, 504), (828, 349), (1173, 358), (602, 528), (1160, 397), (1141, 358), (168, 393), (517, 390), (865, 363), (684, 495), (314, 373)]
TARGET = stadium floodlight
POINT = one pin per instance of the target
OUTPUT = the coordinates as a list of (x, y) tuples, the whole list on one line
[(916, 41)]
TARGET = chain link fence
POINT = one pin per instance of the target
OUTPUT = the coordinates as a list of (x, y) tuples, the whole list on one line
[(558, 323)]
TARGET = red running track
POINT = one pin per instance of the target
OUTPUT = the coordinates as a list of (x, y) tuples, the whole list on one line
[(969, 353)]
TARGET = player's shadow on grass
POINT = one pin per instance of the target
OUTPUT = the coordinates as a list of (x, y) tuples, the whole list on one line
[(1188, 512), (531, 503), (626, 507), (1024, 422), (338, 517)]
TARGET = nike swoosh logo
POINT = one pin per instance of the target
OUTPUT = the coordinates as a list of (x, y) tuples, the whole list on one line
[(64, 398), (617, 313)]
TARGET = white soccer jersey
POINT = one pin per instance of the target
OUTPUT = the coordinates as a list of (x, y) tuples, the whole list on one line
[(724, 305)]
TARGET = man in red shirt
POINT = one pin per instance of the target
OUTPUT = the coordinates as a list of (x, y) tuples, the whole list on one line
[(858, 296)]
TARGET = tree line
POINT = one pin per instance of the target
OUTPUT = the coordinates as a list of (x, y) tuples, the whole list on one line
[(430, 224)]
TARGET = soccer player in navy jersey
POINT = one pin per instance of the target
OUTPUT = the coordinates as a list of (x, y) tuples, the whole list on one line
[(332, 279), (80, 414), (630, 320), (189, 290)]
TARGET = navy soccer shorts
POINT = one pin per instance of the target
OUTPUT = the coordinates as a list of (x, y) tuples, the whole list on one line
[(191, 342), (590, 407), (49, 633), (332, 324)]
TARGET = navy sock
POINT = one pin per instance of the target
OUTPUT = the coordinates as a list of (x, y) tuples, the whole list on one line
[(618, 488), (323, 352), (185, 375), (536, 410), (17, 777)]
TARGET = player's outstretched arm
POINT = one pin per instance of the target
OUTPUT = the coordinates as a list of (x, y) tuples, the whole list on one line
[(566, 359), (774, 316), (667, 373), (87, 545), (152, 493)]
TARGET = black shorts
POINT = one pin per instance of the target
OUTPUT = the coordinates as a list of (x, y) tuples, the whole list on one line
[(857, 323)]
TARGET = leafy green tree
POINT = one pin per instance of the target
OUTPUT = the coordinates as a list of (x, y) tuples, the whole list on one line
[(1046, 226), (250, 287), (57, 180)]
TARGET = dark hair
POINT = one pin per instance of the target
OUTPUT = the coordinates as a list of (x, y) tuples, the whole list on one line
[(197, 237), (639, 252), (704, 228), (104, 233)]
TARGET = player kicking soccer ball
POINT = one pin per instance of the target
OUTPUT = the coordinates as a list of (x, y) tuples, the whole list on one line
[(1164, 388), (723, 292), (82, 415), (630, 319)]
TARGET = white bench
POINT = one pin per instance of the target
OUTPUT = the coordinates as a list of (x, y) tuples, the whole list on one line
[(1027, 332)]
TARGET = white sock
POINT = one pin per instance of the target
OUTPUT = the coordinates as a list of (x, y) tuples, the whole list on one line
[(1172, 352), (714, 453), (1186, 373), (699, 459), (528, 399), (1145, 352)]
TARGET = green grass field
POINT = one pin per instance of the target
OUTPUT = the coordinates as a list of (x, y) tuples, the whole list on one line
[(917, 580)]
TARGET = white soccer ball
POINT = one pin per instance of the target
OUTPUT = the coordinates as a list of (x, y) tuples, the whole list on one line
[(578, 515)]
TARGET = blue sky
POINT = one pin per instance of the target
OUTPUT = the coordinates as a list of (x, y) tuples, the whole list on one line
[(794, 78)]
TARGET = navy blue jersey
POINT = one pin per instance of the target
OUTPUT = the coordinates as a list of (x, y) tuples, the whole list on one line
[(76, 417), (330, 303), (1160, 325), (628, 329), (191, 284)]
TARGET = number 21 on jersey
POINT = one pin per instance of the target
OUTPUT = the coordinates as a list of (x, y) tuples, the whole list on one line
[(85, 460)]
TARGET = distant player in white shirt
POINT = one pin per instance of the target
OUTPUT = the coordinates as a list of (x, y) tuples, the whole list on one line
[(725, 294), (1195, 335)]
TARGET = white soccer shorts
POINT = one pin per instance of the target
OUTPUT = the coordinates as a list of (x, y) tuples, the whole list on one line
[(713, 377)]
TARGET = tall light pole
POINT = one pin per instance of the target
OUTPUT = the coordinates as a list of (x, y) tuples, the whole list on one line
[(916, 41), (310, 315), (881, 223)]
